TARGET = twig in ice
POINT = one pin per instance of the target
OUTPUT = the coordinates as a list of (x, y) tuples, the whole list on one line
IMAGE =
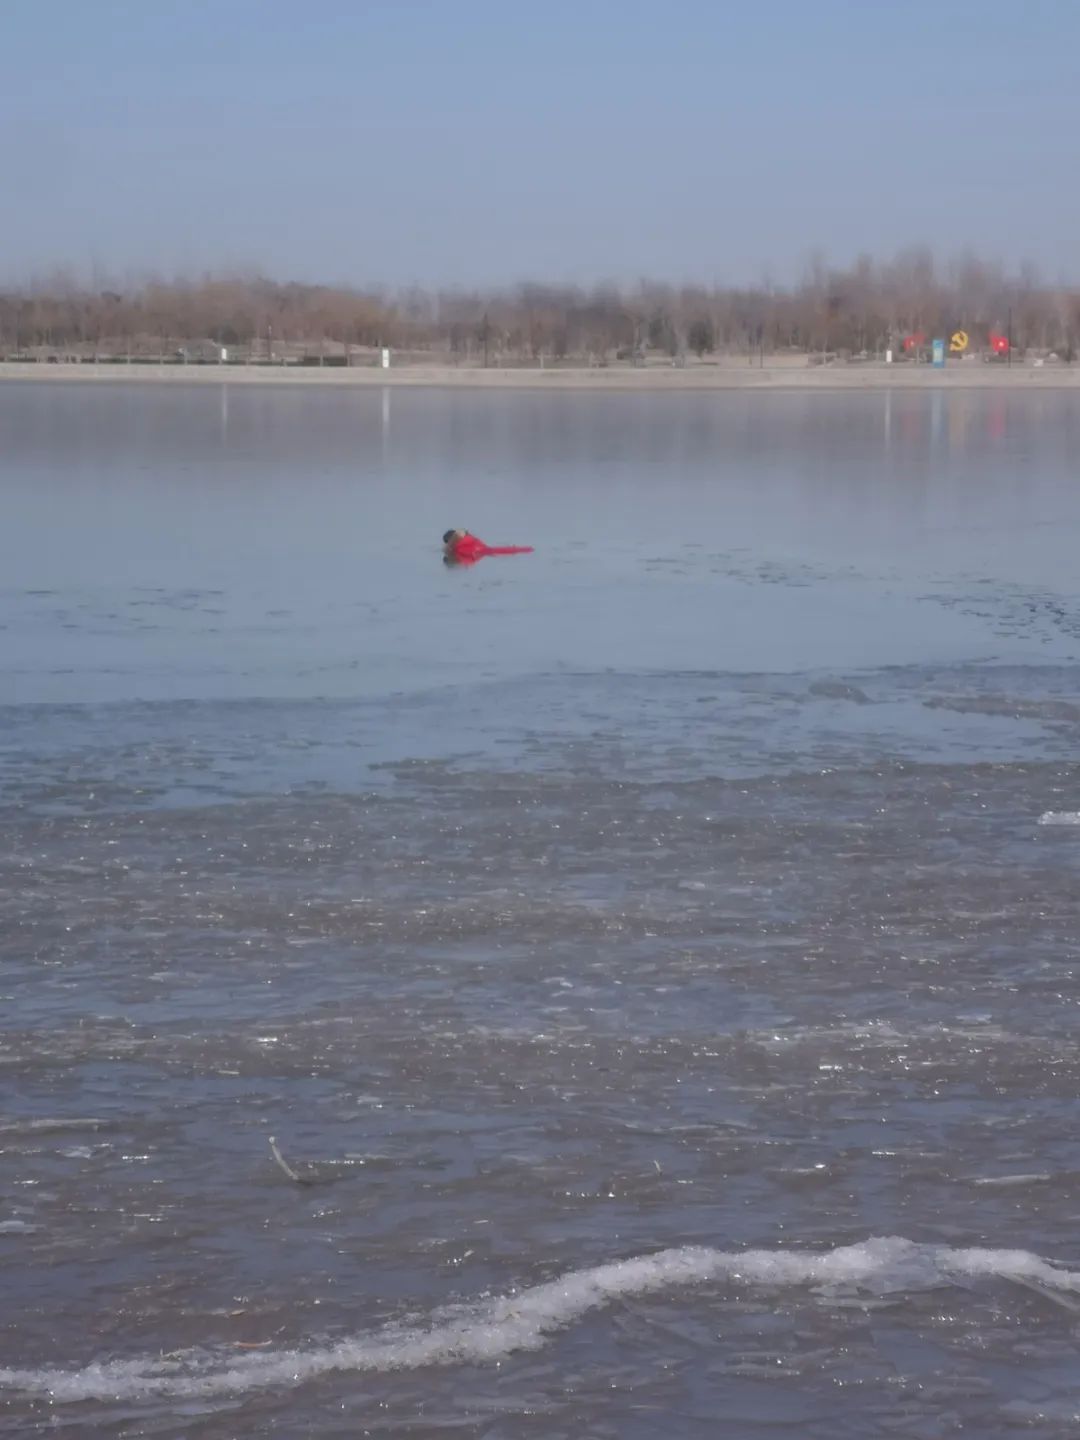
[(284, 1164), (1062, 1301)]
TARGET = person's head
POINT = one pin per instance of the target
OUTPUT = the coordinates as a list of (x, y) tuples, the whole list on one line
[(451, 538)]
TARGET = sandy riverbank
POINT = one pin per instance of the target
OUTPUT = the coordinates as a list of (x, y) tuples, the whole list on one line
[(653, 378)]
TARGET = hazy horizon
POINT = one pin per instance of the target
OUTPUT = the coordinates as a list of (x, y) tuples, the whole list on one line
[(473, 144)]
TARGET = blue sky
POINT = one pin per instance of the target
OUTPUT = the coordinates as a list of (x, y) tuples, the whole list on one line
[(471, 142)]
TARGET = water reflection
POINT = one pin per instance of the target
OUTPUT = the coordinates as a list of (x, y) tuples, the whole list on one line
[(286, 533)]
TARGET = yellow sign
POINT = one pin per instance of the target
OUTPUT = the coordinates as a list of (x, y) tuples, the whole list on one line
[(959, 342)]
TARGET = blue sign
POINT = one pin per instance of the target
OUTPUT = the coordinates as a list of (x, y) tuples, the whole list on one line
[(939, 354)]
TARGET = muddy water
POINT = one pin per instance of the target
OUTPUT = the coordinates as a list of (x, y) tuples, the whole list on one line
[(655, 958)]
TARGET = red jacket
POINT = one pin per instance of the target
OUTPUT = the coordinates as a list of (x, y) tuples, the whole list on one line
[(469, 548)]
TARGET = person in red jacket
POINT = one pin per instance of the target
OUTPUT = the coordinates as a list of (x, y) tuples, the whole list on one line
[(461, 548)]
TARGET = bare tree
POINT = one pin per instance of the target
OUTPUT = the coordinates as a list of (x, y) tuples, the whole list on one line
[(857, 309)]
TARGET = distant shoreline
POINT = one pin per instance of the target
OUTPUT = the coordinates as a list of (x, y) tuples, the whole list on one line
[(872, 376)]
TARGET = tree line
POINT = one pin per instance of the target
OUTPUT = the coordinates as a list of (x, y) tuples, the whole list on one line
[(858, 310)]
